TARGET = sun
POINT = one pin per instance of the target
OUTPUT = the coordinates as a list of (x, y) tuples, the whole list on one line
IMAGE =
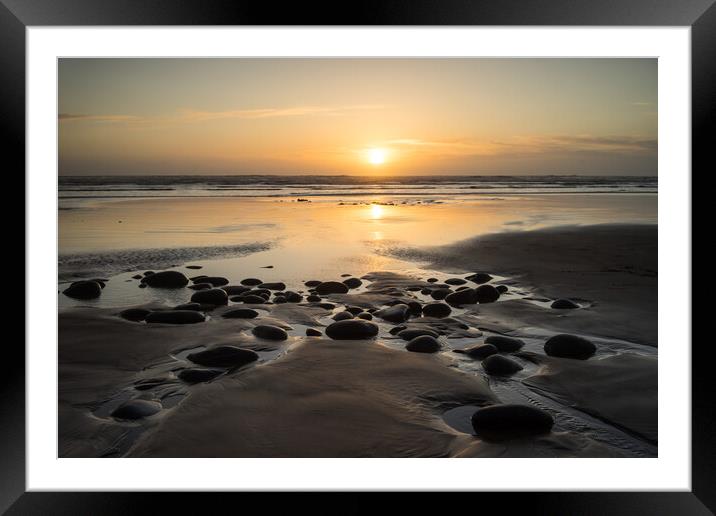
[(377, 156)]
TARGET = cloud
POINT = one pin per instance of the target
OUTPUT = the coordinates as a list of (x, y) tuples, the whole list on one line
[(99, 118)]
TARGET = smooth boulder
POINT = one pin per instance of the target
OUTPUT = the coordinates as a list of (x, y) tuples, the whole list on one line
[(499, 365), (251, 282), (396, 314), (352, 282), (175, 317), (278, 285), (83, 290), (310, 332), (465, 296), (411, 333), (352, 329), (455, 281), (569, 346), (224, 356), (136, 409), (198, 374), (564, 304), (423, 344), (505, 344), (240, 313), (213, 296), (510, 421), (134, 314), (331, 287), (342, 316), (479, 278), (486, 294), (482, 351), (269, 332), (167, 279), (438, 310)]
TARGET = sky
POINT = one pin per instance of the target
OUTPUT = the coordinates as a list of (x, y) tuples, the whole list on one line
[(357, 116)]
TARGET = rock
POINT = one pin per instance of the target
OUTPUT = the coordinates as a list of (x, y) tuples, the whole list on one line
[(198, 374), (268, 332), (235, 290), (175, 317), (423, 344), (352, 282), (251, 282), (438, 310), (134, 314), (279, 300), (136, 409), (250, 299), (331, 287), (313, 299), (501, 288), (201, 286), (352, 329), (564, 304), (189, 306), (365, 316), (148, 273), (293, 297), (481, 351), (342, 316), (455, 281), (432, 280), (355, 310), (395, 314), (193, 266), (569, 346), (310, 332), (213, 296), (278, 285), (487, 294), (425, 291), (462, 297), (479, 278), (327, 306), (224, 356), (142, 285), (500, 365), (503, 422), (411, 333), (166, 279), (505, 344), (137, 276), (216, 281), (440, 293), (397, 329), (415, 308), (83, 290), (195, 279), (240, 313), (312, 283)]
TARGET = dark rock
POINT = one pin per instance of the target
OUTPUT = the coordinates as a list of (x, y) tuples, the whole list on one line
[(462, 297), (327, 306), (194, 267), (197, 278), (395, 314), (432, 280), (415, 308), (500, 365), (278, 285), (312, 283), (136, 409), (83, 290), (313, 299), (503, 422), (564, 304), (166, 279), (279, 300), (175, 317), (423, 344), (201, 286), (365, 316), (352, 329), (411, 333), (268, 332), (352, 282), (142, 285), (240, 313), (342, 316), (397, 329), (251, 282), (569, 346), (137, 276), (148, 273), (501, 288), (438, 310), (310, 332), (455, 281), (440, 293), (505, 344), (487, 294), (355, 310), (213, 296), (235, 290), (481, 351), (134, 314), (189, 306), (331, 287), (224, 356), (216, 281), (250, 299), (198, 374), (479, 278), (425, 291), (293, 297)]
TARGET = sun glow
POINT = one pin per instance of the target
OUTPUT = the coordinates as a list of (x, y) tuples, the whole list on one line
[(376, 211), (377, 156)]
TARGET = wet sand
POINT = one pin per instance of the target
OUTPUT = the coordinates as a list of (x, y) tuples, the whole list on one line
[(321, 397)]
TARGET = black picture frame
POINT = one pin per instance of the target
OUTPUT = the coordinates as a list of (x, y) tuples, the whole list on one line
[(17, 15)]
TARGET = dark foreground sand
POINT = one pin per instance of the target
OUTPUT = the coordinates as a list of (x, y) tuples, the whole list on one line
[(316, 397)]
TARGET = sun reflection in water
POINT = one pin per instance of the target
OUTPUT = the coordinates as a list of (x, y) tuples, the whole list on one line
[(376, 211)]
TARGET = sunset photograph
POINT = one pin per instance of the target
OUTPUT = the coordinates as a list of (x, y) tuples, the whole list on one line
[(357, 257)]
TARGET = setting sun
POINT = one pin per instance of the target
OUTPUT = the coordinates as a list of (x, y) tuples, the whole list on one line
[(376, 156)]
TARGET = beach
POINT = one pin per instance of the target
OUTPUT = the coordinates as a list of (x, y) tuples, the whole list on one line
[(459, 269)]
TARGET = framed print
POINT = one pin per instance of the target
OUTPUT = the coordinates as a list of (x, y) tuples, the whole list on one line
[(413, 249)]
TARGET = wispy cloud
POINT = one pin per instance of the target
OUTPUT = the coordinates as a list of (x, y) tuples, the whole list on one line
[(192, 115)]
